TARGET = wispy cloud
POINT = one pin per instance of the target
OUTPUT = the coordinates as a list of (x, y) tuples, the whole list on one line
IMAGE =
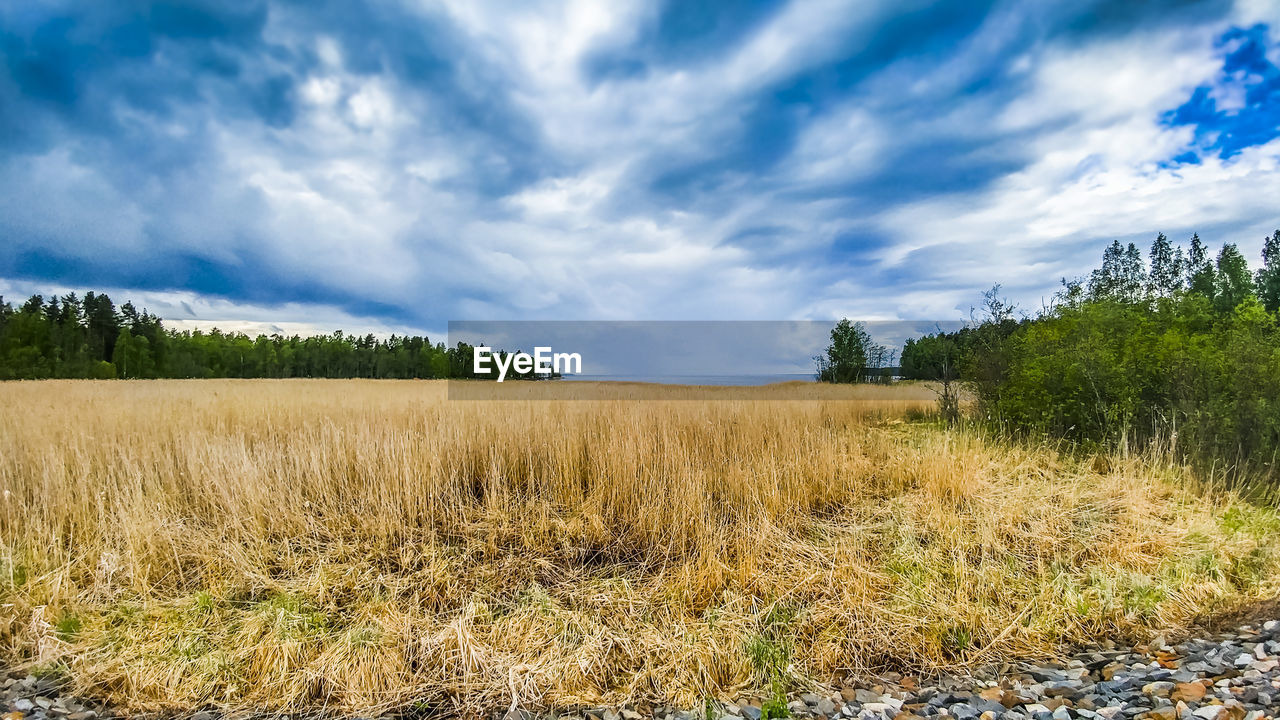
[(399, 165)]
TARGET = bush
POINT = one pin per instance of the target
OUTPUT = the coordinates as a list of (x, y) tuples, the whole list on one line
[(1183, 365), (103, 370)]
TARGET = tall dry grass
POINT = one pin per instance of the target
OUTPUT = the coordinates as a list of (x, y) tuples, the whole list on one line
[(361, 545)]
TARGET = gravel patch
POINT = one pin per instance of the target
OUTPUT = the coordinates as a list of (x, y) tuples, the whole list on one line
[(1228, 676)]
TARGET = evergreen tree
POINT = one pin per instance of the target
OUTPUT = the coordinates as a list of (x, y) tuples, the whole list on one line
[(1234, 282), (1133, 276), (1268, 280), (1104, 282), (1200, 275), (103, 325), (1166, 274), (1122, 276)]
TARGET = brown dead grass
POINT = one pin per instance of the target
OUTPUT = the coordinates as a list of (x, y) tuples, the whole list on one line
[(366, 545)]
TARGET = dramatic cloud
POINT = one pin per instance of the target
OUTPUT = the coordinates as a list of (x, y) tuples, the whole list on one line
[(398, 165)]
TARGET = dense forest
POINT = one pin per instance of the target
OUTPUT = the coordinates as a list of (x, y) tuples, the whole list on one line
[(1178, 351), (74, 337)]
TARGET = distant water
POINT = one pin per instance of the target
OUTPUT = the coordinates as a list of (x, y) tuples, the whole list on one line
[(727, 380)]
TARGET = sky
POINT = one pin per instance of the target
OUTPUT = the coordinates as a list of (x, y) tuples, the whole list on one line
[(393, 166)]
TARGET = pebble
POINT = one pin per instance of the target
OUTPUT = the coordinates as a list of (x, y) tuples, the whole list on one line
[(1232, 676)]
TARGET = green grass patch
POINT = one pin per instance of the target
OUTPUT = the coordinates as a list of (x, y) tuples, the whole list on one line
[(293, 617), (770, 652), (364, 636), (68, 626)]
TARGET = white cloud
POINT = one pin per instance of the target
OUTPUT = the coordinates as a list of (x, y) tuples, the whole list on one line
[(375, 192), (1099, 172), (183, 310)]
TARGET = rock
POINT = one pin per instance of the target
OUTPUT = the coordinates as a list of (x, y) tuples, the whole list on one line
[(1012, 699), (1224, 677), (1109, 672), (1188, 692), (1064, 688)]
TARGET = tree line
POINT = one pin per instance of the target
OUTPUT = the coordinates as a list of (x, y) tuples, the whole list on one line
[(1178, 350), (88, 337)]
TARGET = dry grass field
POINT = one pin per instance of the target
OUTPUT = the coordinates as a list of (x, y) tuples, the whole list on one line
[(365, 545)]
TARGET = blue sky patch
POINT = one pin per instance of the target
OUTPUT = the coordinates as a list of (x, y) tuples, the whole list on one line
[(1241, 109)]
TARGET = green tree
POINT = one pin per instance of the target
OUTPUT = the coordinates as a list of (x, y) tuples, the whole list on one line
[(1268, 279), (1122, 276), (846, 358), (132, 356), (1233, 281), (1193, 374), (1166, 276), (1200, 275), (103, 326)]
